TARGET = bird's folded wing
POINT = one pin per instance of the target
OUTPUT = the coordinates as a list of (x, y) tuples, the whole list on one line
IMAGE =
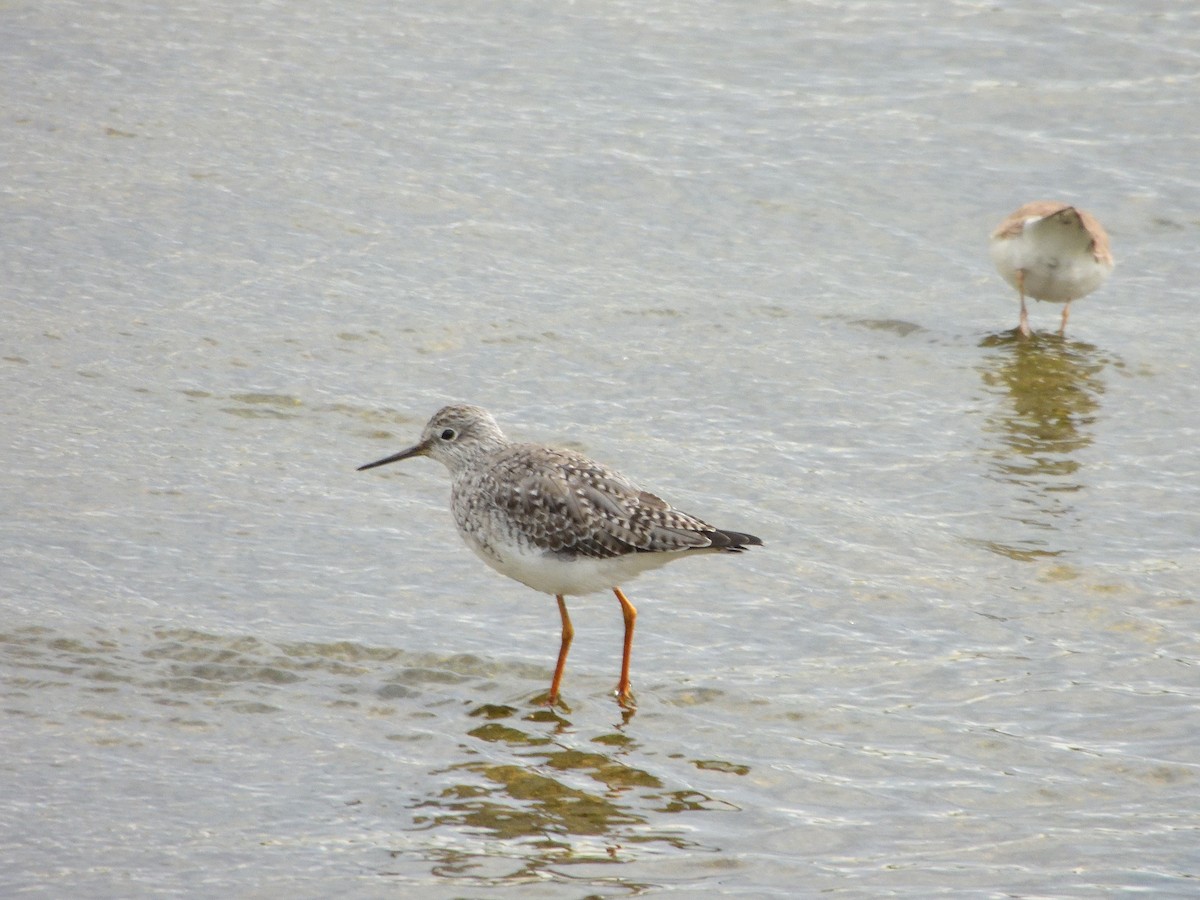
[(576, 506)]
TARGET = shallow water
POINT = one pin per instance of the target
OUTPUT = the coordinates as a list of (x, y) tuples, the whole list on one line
[(737, 253)]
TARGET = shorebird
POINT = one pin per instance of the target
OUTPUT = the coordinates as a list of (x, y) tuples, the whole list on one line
[(1051, 251), (557, 521)]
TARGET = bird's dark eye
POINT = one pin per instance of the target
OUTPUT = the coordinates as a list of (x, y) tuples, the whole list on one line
[(449, 434)]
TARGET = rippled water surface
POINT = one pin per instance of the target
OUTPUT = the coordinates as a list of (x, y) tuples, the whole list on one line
[(737, 251)]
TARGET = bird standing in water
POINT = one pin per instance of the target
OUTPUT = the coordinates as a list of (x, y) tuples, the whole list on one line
[(1051, 251), (557, 521)]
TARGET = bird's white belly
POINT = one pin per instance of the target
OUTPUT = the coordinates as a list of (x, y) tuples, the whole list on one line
[(1062, 279), (556, 574), (1058, 265)]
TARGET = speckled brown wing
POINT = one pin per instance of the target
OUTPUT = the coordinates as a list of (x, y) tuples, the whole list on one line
[(1015, 221), (1100, 246), (572, 505)]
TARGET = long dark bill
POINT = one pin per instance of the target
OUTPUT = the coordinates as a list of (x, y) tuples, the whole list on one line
[(417, 450)]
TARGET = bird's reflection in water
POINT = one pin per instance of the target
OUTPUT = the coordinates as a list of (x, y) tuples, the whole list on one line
[(530, 804), (1051, 390)]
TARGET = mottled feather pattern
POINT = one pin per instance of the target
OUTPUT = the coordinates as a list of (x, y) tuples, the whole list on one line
[(570, 505)]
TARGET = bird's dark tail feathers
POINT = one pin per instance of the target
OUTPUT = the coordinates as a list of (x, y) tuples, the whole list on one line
[(733, 541)]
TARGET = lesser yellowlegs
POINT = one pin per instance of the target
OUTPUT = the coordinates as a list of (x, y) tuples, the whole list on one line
[(556, 520), (1051, 251)]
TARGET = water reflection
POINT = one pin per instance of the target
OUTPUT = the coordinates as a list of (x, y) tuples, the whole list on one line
[(494, 794), (553, 804), (1052, 389)]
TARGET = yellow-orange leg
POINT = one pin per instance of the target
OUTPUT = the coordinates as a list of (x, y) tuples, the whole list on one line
[(1062, 331), (568, 632), (629, 613), (1023, 327)]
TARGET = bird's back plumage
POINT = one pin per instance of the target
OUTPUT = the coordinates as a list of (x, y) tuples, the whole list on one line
[(560, 501)]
